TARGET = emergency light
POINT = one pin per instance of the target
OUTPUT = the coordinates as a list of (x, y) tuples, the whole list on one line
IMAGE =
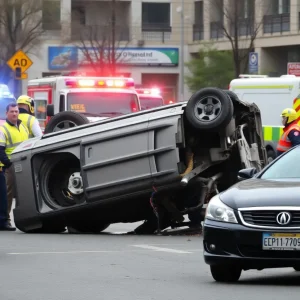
[(104, 83), (153, 91)]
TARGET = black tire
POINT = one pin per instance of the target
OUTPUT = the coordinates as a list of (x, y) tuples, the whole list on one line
[(271, 155), (225, 273), (233, 96), (87, 227), (209, 109), (297, 269), (65, 120)]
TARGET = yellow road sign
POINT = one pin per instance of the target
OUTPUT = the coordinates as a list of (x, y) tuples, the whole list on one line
[(21, 60)]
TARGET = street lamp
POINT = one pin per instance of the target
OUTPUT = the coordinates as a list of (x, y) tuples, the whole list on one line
[(181, 75)]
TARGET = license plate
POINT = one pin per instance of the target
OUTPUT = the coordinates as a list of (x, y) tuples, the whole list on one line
[(281, 241)]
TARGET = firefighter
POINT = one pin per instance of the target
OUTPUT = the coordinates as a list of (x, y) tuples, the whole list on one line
[(26, 109), (12, 133), (291, 131)]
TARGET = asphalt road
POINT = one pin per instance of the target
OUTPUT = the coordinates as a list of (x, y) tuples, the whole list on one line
[(113, 266)]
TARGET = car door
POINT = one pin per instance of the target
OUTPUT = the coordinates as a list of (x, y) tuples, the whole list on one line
[(115, 160), (164, 135)]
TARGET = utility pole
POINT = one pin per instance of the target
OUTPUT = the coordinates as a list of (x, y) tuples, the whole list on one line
[(182, 53)]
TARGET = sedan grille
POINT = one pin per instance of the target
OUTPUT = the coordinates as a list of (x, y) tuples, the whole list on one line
[(268, 218)]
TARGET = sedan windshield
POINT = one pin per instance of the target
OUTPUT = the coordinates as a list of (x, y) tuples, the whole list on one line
[(102, 103), (147, 103), (3, 103), (285, 167)]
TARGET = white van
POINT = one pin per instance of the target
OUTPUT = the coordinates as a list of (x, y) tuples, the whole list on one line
[(272, 95)]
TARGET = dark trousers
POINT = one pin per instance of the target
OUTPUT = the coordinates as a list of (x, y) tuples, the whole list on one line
[(3, 199)]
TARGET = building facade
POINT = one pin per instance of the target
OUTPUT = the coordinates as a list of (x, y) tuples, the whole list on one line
[(147, 35), (275, 23), (155, 36)]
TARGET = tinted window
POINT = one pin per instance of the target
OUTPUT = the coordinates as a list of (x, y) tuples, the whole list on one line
[(102, 104), (147, 103), (3, 103), (285, 167)]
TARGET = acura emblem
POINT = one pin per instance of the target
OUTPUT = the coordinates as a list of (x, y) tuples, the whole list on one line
[(283, 218)]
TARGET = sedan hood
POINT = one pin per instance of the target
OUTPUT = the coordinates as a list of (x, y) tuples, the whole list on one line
[(258, 192)]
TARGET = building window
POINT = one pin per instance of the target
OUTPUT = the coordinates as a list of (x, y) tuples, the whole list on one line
[(198, 30), (78, 15), (156, 17), (51, 15)]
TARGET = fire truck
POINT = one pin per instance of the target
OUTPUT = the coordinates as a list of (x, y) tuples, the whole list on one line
[(95, 98)]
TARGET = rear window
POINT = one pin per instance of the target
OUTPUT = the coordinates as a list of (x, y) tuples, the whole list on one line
[(150, 102), (102, 104), (3, 103)]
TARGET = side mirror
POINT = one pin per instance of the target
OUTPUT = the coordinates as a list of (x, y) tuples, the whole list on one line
[(50, 110), (246, 173)]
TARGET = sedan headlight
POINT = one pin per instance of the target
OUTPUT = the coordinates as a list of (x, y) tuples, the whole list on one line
[(218, 211)]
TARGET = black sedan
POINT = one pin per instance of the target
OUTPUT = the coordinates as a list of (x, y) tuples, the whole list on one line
[(255, 224)]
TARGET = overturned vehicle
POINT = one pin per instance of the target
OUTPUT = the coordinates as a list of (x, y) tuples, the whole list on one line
[(159, 164)]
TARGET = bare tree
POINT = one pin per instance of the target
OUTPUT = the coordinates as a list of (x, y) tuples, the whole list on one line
[(102, 45), (20, 28), (240, 25)]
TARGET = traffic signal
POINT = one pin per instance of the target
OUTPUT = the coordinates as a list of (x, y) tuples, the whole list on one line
[(18, 73)]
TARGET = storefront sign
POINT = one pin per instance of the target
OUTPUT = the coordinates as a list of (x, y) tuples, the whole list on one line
[(65, 58), (293, 68)]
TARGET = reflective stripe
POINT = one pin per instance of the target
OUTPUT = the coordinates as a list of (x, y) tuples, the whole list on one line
[(2, 144), (8, 135), (28, 121), (272, 133)]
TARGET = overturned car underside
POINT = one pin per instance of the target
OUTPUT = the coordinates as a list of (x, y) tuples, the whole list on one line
[(155, 165)]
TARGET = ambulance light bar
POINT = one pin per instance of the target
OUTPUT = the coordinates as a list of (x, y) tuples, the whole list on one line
[(104, 83), (153, 91)]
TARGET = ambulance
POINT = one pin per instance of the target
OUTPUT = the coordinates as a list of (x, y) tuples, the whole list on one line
[(150, 98), (6, 97), (96, 98), (272, 95)]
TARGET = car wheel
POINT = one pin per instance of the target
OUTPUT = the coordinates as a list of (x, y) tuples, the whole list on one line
[(65, 120), (271, 155), (87, 227), (225, 273), (60, 181), (233, 96), (209, 109)]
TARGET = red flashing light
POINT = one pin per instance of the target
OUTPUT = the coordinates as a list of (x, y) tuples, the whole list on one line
[(108, 83), (170, 102), (153, 91)]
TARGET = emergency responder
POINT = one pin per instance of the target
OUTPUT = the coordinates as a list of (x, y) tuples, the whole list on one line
[(12, 133), (26, 109), (291, 131)]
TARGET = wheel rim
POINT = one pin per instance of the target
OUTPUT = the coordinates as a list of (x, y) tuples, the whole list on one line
[(208, 109), (64, 125)]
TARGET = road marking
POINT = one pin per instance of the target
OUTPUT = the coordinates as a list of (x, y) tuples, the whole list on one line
[(161, 249), (59, 252)]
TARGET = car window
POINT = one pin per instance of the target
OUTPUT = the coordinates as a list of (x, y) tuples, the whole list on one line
[(147, 103), (102, 103), (40, 109), (284, 167), (3, 103)]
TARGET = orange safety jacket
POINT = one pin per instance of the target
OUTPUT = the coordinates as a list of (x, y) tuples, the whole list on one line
[(284, 143)]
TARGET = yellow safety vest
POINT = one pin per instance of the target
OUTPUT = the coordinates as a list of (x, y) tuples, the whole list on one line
[(27, 120), (13, 137)]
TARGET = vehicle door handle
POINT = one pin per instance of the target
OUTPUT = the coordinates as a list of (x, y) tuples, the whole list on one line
[(89, 152)]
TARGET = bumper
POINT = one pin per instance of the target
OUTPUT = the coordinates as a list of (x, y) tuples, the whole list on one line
[(237, 244)]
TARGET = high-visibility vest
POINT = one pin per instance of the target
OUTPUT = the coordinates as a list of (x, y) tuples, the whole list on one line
[(284, 143), (28, 121), (13, 137)]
